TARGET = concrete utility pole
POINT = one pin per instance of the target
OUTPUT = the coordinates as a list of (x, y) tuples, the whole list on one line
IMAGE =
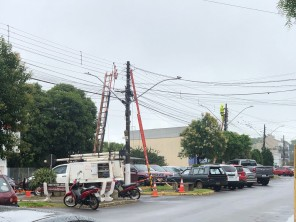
[(264, 137), (128, 121), (226, 118)]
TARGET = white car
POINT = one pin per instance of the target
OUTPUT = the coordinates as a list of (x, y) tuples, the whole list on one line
[(232, 176)]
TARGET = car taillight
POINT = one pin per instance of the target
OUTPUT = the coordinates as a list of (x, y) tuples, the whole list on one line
[(13, 199), (254, 170)]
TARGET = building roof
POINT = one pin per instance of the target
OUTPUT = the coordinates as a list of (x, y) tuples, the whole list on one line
[(158, 133)]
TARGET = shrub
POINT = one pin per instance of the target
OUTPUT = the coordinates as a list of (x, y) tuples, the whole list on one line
[(42, 175)]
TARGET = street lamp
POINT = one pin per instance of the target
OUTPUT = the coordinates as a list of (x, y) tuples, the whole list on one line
[(276, 129), (240, 113), (174, 78)]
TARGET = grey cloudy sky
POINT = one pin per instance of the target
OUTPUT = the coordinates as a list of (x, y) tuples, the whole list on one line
[(251, 52)]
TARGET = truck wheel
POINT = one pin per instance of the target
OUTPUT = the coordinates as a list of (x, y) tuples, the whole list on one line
[(217, 188), (264, 182), (198, 185)]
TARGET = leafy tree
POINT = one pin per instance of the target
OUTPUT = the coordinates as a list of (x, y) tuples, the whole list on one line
[(152, 154), (42, 175), (238, 146), (112, 146), (267, 157), (62, 123), (13, 98), (203, 139), (256, 155), (288, 8)]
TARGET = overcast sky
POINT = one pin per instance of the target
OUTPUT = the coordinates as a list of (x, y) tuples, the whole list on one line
[(224, 54)]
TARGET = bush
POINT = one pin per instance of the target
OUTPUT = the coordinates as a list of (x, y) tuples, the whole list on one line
[(42, 175)]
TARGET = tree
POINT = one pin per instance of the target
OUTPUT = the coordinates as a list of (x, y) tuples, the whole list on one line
[(62, 123), (152, 154), (203, 139), (288, 8), (112, 146), (267, 157), (13, 98), (256, 155), (238, 146)]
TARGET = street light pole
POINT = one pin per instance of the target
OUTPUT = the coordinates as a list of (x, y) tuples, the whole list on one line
[(175, 78), (240, 113)]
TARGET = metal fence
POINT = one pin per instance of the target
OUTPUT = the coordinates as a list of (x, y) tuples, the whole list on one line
[(18, 174)]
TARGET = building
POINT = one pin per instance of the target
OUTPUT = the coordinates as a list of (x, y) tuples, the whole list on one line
[(166, 141), (276, 148)]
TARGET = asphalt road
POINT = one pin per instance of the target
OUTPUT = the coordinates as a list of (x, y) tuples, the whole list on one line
[(272, 203)]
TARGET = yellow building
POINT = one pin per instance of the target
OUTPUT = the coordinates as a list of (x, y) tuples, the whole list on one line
[(166, 141)]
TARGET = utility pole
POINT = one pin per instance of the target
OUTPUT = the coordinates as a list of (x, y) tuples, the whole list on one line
[(128, 121), (264, 136), (284, 162), (226, 118)]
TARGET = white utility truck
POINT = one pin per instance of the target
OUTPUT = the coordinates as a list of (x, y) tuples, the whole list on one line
[(92, 169)]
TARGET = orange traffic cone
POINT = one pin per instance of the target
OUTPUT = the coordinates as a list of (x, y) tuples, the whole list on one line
[(28, 193), (181, 189), (154, 190)]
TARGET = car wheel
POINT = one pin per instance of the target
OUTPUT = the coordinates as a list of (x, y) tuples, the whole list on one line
[(249, 185), (241, 186), (217, 188), (232, 187), (198, 185)]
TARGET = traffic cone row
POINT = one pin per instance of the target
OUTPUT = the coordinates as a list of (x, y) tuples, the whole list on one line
[(181, 189), (154, 190)]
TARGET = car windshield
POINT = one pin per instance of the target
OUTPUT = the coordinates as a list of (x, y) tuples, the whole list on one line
[(239, 168), (171, 169), (4, 187), (157, 168), (248, 163), (229, 168), (143, 167), (247, 170)]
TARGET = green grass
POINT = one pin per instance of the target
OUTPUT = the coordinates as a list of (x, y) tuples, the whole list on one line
[(33, 204), (167, 190)]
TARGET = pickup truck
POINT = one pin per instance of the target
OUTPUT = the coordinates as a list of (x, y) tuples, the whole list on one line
[(263, 173)]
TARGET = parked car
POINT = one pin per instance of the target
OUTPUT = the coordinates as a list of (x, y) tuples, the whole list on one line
[(12, 214), (172, 169), (263, 173), (242, 176), (232, 176), (283, 171), (161, 169), (211, 176), (251, 177), (290, 167), (7, 194), (139, 172)]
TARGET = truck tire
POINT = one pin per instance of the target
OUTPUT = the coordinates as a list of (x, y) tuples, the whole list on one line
[(217, 188), (264, 182), (198, 185)]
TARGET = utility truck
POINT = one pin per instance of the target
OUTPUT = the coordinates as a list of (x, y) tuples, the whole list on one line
[(92, 169)]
